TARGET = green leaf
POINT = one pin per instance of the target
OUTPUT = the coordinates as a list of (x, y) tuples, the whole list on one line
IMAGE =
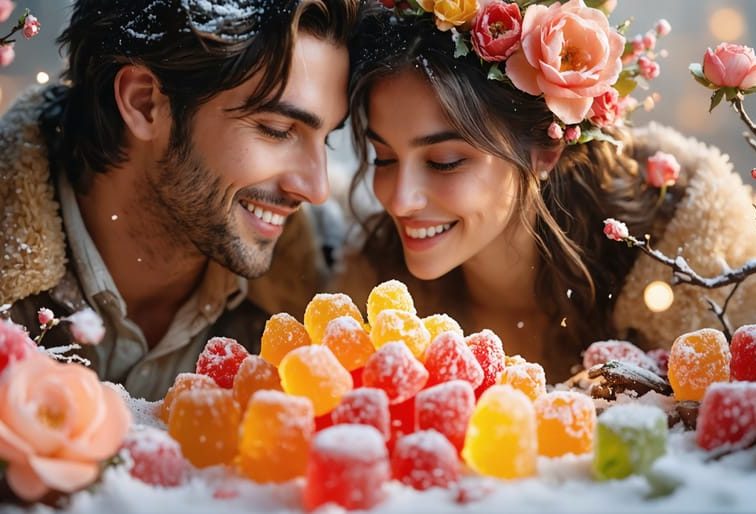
[(494, 73), (461, 47), (595, 134), (696, 70), (622, 27), (748, 91), (625, 84), (731, 93), (716, 97)]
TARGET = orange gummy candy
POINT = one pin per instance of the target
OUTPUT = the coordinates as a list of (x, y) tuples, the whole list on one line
[(325, 307), (255, 374), (393, 325), (528, 377), (389, 295), (184, 382), (282, 334), (440, 323), (315, 372), (205, 422), (697, 360), (347, 339), (566, 422), (275, 437)]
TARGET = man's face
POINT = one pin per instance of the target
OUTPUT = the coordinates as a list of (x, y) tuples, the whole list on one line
[(230, 188)]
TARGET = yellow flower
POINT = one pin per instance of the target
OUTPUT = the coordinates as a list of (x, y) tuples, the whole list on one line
[(427, 5), (452, 13)]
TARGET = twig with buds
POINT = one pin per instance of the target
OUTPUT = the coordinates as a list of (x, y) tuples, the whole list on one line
[(737, 104)]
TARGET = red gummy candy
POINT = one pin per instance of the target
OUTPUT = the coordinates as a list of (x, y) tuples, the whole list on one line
[(356, 377), (364, 406), (395, 369), (449, 358), (221, 359), (727, 415), (402, 420), (743, 349), (446, 408), (15, 344), (488, 350), (348, 465), (661, 357), (155, 457), (601, 352), (425, 459)]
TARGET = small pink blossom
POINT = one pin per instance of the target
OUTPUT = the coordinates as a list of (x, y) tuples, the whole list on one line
[(572, 134), (86, 326), (649, 69), (496, 31), (753, 173), (615, 230), (663, 28), (649, 40), (606, 109), (556, 132), (6, 8), (730, 65), (662, 169), (638, 45), (7, 54), (45, 316), (31, 26), (15, 344)]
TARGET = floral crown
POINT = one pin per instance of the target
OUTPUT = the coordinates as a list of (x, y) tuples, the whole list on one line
[(567, 53)]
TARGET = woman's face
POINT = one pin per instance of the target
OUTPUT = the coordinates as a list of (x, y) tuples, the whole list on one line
[(450, 201)]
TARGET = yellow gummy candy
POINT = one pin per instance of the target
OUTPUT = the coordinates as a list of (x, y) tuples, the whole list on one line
[(323, 308), (393, 325), (440, 323), (315, 373), (389, 295)]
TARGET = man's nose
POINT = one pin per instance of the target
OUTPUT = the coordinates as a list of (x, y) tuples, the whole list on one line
[(309, 180)]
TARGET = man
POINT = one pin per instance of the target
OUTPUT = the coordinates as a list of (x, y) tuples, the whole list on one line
[(160, 179)]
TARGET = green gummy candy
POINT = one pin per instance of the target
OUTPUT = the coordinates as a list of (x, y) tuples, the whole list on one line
[(629, 438)]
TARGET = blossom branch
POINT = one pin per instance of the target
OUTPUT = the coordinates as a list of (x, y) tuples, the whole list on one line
[(737, 104)]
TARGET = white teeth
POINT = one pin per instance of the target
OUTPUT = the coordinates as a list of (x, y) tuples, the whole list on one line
[(422, 233), (265, 215)]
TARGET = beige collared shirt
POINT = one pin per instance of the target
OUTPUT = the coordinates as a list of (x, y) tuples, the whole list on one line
[(123, 356)]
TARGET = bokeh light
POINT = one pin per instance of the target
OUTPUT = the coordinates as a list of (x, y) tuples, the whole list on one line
[(727, 24), (658, 296)]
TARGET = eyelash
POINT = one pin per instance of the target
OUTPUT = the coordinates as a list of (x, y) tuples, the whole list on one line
[(437, 166), (280, 135)]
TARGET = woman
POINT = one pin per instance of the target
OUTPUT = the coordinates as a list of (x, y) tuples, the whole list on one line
[(494, 204)]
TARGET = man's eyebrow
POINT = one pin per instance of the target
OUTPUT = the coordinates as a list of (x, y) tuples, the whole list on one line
[(293, 112)]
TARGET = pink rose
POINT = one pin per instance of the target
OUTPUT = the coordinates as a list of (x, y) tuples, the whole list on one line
[(662, 169), (555, 131), (45, 316), (649, 69), (615, 230), (6, 8), (663, 28), (86, 326), (7, 54), (569, 54), (638, 45), (605, 109), (730, 65), (15, 344), (496, 31), (572, 134), (31, 26), (57, 423)]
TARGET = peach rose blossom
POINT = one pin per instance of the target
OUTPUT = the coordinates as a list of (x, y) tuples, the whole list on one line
[(57, 423), (615, 230), (662, 169), (569, 54), (450, 13), (730, 65), (31, 26)]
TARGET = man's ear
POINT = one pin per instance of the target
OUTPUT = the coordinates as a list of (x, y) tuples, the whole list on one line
[(142, 105), (544, 159)]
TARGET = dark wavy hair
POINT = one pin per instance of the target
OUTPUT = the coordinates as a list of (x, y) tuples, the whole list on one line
[(195, 48), (590, 182)]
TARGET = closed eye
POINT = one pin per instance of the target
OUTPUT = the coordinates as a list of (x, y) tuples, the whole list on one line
[(445, 166), (383, 162), (273, 133)]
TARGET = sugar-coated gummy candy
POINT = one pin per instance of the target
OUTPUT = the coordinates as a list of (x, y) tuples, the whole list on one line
[(315, 372), (349, 342), (255, 374), (502, 439), (727, 416), (154, 457), (183, 382), (402, 420), (528, 377), (205, 422), (661, 357), (394, 369), (323, 308), (449, 358), (365, 406), (220, 360), (275, 436), (392, 294), (425, 459), (489, 351), (743, 349), (566, 423), (629, 438), (15, 344), (602, 352), (348, 466), (697, 360), (281, 335), (395, 325), (446, 408), (439, 323)]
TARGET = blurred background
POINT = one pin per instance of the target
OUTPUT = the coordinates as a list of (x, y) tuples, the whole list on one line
[(680, 101)]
